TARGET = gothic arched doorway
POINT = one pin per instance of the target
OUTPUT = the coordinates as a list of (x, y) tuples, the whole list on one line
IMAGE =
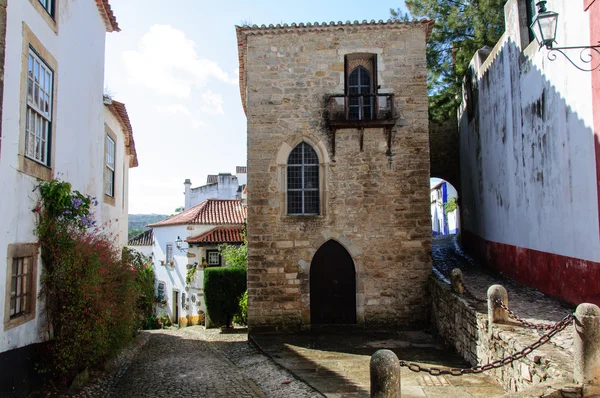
[(332, 286)]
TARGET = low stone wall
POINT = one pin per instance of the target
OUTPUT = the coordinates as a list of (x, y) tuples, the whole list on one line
[(463, 324)]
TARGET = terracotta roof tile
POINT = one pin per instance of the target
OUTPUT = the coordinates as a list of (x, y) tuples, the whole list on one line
[(244, 31), (107, 15), (143, 239), (219, 235), (211, 212), (119, 111)]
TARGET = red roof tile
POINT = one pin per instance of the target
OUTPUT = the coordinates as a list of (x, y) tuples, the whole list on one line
[(210, 212), (143, 239), (219, 235), (107, 15), (119, 111)]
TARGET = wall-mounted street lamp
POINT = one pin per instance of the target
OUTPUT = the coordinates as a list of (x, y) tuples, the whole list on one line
[(179, 243), (544, 28)]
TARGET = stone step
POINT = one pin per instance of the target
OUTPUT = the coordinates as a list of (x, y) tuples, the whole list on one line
[(550, 389)]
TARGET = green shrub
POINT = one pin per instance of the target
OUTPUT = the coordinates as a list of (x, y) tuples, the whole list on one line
[(223, 288), (241, 317), (96, 296)]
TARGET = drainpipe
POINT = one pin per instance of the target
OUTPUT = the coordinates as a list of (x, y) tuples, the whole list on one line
[(3, 5)]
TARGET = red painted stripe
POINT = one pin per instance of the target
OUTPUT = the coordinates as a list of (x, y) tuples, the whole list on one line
[(569, 279)]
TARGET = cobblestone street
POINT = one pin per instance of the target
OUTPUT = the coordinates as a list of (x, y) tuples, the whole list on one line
[(194, 362)]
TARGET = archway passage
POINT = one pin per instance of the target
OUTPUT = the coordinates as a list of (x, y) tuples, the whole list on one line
[(332, 286)]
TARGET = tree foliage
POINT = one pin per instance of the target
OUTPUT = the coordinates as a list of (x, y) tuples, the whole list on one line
[(234, 255), (461, 28)]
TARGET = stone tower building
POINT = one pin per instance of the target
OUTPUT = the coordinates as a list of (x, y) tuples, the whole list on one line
[(338, 173)]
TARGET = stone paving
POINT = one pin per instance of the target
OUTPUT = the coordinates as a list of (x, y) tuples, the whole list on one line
[(336, 362)]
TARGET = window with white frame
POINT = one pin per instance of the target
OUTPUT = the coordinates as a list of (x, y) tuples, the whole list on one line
[(169, 252), (40, 79), (213, 257), (48, 5), (110, 167)]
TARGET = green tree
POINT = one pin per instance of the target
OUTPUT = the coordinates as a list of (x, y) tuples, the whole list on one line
[(461, 28), (234, 255)]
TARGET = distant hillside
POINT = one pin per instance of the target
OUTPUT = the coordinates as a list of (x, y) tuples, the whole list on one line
[(139, 221)]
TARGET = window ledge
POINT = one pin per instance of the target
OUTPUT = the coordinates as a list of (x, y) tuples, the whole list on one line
[(109, 200), (34, 169), (51, 21)]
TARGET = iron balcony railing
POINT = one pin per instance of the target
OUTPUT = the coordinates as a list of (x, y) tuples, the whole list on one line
[(361, 109)]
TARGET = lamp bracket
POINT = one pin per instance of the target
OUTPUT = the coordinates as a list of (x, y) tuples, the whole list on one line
[(589, 56)]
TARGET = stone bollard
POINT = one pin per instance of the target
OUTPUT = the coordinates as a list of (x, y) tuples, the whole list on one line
[(495, 312), (456, 279), (385, 375), (586, 344)]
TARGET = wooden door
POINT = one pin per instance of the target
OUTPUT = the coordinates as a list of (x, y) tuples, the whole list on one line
[(332, 286), (175, 307)]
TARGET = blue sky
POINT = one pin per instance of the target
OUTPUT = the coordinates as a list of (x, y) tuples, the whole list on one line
[(174, 64)]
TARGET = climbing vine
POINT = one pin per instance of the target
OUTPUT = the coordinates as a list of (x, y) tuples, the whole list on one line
[(450, 206), (93, 293)]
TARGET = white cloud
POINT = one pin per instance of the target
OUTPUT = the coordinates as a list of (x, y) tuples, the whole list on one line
[(174, 109), (211, 103), (167, 61)]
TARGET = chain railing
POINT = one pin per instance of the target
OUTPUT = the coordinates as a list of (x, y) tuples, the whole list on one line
[(433, 371), (520, 320)]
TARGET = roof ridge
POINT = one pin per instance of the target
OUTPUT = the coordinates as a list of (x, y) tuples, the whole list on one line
[(324, 24)]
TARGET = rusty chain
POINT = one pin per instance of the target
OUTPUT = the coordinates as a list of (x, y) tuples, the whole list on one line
[(523, 322), (556, 328)]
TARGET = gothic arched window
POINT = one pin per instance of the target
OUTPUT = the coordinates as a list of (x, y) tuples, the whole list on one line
[(359, 90), (303, 181)]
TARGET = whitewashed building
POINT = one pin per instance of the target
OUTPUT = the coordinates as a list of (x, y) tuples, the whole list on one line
[(187, 243), (530, 153), (444, 221), (218, 186), (55, 124)]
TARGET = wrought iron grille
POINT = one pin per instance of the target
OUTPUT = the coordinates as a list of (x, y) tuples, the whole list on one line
[(358, 107)]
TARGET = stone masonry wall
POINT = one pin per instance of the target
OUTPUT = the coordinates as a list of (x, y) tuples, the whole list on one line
[(464, 326), (444, 151), (375, 205)]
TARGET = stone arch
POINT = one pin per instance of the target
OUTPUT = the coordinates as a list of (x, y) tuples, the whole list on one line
[(332, 285), (289, 144)]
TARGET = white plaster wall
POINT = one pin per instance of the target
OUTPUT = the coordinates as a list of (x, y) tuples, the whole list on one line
[(114, 219), (145, 250), (174, 277), (528, 167), (242, 178), (79, 51), (225, 188), (200, 194)]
